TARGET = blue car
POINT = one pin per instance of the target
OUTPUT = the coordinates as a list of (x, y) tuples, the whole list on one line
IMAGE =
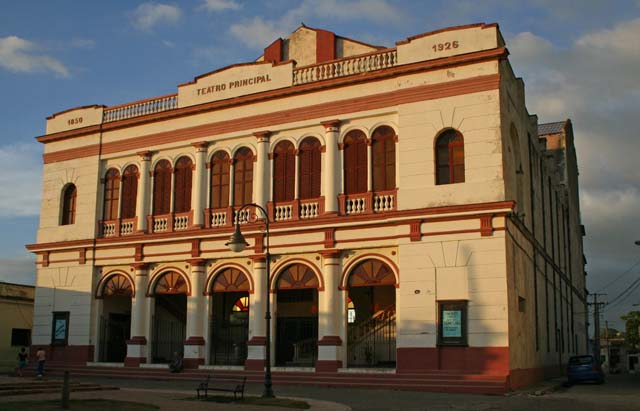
[(584, 368)]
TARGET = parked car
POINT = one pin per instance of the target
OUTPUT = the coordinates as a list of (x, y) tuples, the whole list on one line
[(584, 368)]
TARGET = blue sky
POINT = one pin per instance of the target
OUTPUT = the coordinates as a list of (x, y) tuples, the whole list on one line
[(579, 60)]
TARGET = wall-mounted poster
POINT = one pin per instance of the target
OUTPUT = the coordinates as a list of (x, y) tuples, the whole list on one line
[(451, 323)]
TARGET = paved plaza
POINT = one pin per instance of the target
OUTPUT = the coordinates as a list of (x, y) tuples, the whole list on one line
[(620, 392)]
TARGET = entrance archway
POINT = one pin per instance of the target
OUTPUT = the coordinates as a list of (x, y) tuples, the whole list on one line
[(115, 319), (371, 315), (229, 318), (297, 317), (169, 317)]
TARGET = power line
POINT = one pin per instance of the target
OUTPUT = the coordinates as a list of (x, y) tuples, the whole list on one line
[(627, 271), (625, 294)]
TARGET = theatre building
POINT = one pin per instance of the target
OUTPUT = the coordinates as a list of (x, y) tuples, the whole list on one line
[(420, 219)]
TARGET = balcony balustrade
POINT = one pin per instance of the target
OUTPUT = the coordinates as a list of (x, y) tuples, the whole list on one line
[(368, 203), (296, 209), (170, 222), (117, 228)]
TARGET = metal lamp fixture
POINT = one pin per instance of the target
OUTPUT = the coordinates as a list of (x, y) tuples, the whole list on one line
[(237, 243)]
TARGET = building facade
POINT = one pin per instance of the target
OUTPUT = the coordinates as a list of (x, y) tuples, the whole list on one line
[(419, 220)]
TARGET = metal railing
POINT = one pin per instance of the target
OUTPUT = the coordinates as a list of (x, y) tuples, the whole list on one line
[(372, 343)]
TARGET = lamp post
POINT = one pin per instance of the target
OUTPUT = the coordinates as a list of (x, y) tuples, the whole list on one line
[(237, 243)]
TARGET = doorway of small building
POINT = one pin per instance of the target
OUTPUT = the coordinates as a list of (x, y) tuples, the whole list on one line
[(297, 317), (371, 316), (115, 319), (229, 318), (169, 318)]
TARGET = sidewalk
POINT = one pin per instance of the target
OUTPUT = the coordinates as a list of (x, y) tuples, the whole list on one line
[(167, 400)]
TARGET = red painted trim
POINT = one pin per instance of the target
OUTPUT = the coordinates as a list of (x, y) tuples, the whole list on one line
[(254, 365), (195, 247), (105, 277), (483, 360), (325, 46), (134, 361), (192, 363), (277, 270), (194, 340), (356, 260), (486, 225), (273, 52), (197, 262), (329, 237), (331, 340), (328, 365), (68, 354), (330, 253), (138, 340), (340, 107), (415, 230), (155, 276), (455, 28), (257, 340), (215, 271), (139, 266)]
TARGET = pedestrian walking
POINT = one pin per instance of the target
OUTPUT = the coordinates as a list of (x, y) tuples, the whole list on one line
[(41, 356), (22, 360)]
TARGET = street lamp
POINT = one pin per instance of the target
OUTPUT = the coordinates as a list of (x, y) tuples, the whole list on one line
[(237, 243)]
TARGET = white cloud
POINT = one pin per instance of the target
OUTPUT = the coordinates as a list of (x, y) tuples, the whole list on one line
[(149, 15), (622, 39), (221, 5), (22, 56), (258, 33), (21, 180)]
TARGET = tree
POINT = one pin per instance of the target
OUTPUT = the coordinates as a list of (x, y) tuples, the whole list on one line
[(613, 333), (632, 326)]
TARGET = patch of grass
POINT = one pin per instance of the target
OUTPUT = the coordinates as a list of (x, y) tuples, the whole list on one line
[(77, 405), (274, 402)]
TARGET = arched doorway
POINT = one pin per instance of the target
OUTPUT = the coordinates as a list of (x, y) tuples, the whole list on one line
[(115, 318), (169, 316), (371, 315), (229, 318), (297, 317)]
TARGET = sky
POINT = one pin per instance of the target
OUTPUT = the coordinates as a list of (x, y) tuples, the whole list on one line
[(579, 59)]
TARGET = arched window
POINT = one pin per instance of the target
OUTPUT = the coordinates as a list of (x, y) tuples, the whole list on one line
[(184, 174), (309, 169), (383, 153), (450, 158), (220, 180), (129, 192), (69, 205), (284, 171), (111, 194), (162, 188), (355, 162), (243, 177)]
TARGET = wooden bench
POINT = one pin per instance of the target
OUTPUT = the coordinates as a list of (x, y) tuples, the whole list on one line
[(224, 384)]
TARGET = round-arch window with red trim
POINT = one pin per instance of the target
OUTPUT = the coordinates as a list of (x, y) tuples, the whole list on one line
[(297, 276), (450, 158), (117, 286), (171, 282), (230, 280), (371, 273)]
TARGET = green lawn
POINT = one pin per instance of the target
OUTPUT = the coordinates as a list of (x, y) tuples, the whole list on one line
[(76, 405), (274, 402)]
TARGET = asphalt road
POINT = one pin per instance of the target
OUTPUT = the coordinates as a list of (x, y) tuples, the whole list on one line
[(620, 392)]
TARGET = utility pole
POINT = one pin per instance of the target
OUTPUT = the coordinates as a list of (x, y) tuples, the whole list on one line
[(596, 324)]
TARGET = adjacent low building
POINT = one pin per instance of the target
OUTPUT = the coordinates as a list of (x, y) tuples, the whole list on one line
[(16, 320), (420, 218)]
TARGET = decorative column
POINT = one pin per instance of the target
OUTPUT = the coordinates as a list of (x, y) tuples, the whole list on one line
[(199, 190), (331, 314), (194, 345), (332, 171), (263, 175), (142, 201), (369, 165), (137, 344), (257, 332)]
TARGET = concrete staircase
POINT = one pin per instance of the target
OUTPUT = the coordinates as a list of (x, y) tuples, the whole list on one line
[(437, 381), (28, 386)]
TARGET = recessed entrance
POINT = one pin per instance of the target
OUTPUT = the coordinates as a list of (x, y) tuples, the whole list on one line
[(371, 316), (169, 317), (115, 320), (297, 317), (229, 318)]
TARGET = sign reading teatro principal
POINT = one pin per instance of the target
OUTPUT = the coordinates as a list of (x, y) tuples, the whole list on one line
[(235, 81)]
